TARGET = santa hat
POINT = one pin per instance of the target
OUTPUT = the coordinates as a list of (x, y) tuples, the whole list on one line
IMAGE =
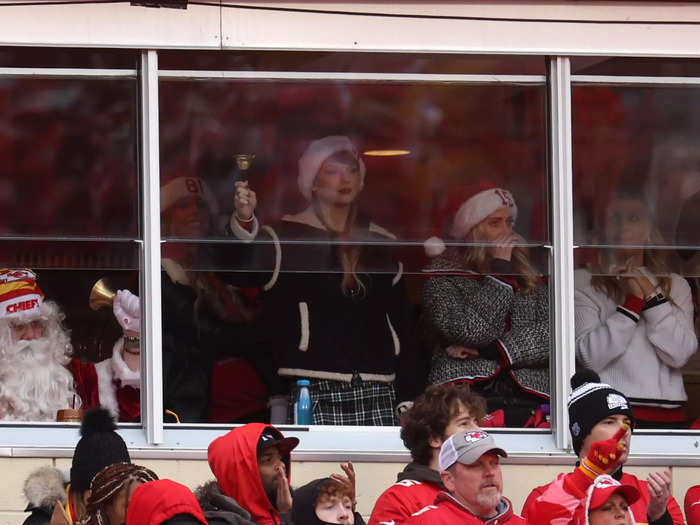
[(186, 186), (472, 206), (317, 152), (20, 295)]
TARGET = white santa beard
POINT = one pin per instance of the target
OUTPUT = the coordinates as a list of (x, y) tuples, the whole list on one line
[(33, 385)]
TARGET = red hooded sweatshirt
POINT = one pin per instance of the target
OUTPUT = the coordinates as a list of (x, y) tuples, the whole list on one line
[(233, 459), (157, 501)]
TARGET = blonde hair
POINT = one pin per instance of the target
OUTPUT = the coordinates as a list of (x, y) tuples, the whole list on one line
[(349, 254), (655, 260), (613, 287), (478, 258)]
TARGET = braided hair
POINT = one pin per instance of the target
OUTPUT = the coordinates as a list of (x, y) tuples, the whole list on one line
[(107, 483)]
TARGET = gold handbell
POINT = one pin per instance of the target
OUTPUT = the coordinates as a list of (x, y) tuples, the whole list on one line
[(102, 294), (244, 160)]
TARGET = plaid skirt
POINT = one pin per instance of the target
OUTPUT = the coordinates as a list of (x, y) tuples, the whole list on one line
[(371, 403)]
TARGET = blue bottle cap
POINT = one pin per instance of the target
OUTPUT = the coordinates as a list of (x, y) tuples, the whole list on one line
[(303, 382)]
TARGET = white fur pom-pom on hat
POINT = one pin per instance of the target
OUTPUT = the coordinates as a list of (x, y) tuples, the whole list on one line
[(317, 152), (434, 246)]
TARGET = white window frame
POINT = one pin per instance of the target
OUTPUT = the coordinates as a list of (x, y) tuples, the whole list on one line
[(617, 30)]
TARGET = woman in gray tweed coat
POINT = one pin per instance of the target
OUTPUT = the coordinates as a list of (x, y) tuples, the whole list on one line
[(486, 309)]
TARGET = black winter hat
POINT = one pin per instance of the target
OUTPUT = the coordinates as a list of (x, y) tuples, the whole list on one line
[(590, 402), (98, 447)]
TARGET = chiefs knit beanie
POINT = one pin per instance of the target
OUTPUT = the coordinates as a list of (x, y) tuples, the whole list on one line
[(590, 402)]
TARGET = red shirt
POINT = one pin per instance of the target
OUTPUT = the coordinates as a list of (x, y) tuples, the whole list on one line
[(402, 499), (560, 499), (448, 511)]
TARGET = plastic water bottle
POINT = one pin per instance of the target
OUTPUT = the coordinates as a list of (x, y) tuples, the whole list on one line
[(302, 405)]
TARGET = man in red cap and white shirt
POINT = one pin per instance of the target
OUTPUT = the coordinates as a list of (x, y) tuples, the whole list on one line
[(38, 374), (470, 470)]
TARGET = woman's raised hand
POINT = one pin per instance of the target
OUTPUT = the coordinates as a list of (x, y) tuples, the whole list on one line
[(503, 246), (244, 201), (461, 352), (636, 282)]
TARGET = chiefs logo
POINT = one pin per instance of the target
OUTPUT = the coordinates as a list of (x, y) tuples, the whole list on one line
[(605, 481), (9, 276), (475, 435)]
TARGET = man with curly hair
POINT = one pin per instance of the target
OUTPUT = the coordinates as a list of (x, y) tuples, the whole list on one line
[(438, 413)]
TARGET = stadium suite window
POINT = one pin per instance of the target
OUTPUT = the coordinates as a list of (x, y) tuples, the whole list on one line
[(458, 136), (350, 179), (636, 187), (71, 208)]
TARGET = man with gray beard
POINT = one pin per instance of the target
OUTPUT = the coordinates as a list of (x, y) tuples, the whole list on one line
[(470, 470), (38, 374)]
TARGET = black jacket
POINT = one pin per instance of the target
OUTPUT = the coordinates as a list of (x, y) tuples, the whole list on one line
[(318, 331)]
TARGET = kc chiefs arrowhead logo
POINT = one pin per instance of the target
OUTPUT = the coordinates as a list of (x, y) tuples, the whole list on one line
[(475, 435)]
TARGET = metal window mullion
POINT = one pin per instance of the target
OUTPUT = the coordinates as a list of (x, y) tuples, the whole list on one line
[(644, 81), (69, 73), (563, 355), (151, 337), (349, 76)]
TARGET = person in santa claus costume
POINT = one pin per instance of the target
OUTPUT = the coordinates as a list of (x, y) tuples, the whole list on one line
[(486, 307), (119, 378), (39, 375)]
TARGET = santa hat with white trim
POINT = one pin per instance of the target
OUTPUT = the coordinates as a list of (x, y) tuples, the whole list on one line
[(20, 295), (476, 202), (316, 153)]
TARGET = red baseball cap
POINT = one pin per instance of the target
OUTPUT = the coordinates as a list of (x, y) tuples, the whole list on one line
[(605, 486)]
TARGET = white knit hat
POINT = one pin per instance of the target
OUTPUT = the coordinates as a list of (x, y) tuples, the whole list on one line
[(471, 212), (317, 152)]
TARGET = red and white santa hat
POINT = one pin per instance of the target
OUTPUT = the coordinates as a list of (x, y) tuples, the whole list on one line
[(20, 295), (483, 198), (317, 152)]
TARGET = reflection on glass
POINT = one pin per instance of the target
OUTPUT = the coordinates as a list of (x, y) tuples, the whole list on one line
[(351, 62), (57, 355), (327, 242), (636, 179), (486, 308), (629, 66), (205, 320), (69, 152), (55, 57), (454, 133)]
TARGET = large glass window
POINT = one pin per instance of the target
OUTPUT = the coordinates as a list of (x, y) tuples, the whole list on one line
[(636, 185), (323, 274), (70, 218)]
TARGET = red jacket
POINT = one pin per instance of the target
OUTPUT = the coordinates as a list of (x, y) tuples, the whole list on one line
[(156, 502), (558, 502), (692, 505), (406, 496), (233, 460), (448, 511)]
